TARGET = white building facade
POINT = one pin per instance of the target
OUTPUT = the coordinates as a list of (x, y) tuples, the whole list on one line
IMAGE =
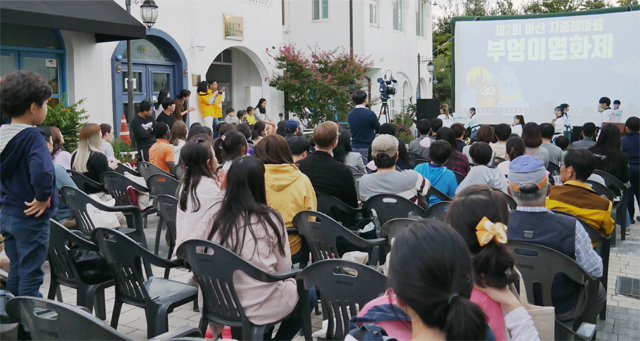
[(226, 41)]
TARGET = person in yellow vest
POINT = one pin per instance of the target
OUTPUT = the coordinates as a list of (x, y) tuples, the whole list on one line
[(210, 100)]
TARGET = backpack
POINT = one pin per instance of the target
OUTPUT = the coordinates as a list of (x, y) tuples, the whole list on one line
[(369, 332)]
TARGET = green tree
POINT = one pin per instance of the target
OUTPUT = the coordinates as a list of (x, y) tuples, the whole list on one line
[(319, 86), (68, 118)]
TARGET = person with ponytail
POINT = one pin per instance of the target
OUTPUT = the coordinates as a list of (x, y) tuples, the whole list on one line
[(199, 191), (228, 147), (430, 272), (247, 226), (480, 216)]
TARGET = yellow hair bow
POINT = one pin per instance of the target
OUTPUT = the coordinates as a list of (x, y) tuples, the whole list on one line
[(487, 230)]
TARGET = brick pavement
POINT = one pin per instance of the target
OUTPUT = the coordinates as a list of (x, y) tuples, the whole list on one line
[(623, 313)]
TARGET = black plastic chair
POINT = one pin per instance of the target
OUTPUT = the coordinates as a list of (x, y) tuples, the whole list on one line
[(50, 320), (602, 247), (384, 207), (214, 267), (345, 286), (438, 210), (77, 201), (85, 184), (438, 194), (497, 160), (166, 206), (619, 210), (539, 265), (158, 296), (391, 228), (179, 171), (116, 185), (89, 285), (510, 201), (161, 184), (321, 235), (554, 172), (459, 176), (601, 190), (147, 169), (122, 169), (348, 216)]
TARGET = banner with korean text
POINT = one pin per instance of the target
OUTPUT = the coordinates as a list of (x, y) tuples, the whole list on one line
[(529, 66)]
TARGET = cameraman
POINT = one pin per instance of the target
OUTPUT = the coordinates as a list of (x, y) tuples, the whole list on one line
[(363, 124)]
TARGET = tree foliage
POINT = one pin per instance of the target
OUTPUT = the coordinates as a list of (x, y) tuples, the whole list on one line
[(452, 8), (68, 118), (318, 86)]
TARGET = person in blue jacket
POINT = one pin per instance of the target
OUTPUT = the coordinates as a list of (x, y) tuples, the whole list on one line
[(631, 148), (442, 178), (27, 180)]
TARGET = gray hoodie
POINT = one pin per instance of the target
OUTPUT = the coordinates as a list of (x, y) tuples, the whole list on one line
[(483, 175)]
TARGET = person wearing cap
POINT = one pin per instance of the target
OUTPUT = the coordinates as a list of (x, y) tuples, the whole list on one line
[(290, 129), (408, 184), (576, 197), (532, 222), (328, 175)]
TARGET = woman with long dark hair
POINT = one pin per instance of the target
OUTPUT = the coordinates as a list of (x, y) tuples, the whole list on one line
[(260, 111), (60, 155), (514, 147), (532, 137), (199, 191), (246, 225), (458, 162), (289, 191), (609, 155), (230, 146), (435, 289), (345, 154)]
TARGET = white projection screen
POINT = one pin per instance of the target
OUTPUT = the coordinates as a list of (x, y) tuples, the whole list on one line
[(528, 66)]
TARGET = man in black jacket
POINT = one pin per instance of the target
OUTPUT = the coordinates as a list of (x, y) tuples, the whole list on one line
[(326, 174), (142, 130)]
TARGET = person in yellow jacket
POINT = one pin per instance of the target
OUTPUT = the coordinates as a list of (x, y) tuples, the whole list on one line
[(288, 190), (210, 100), (576, 197)]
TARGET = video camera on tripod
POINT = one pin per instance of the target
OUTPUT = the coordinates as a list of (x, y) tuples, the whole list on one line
[(386, 87), (386, 91)]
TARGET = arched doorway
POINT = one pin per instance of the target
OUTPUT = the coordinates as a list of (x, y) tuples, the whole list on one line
[(35, 49), (158, 63), (236, 71)]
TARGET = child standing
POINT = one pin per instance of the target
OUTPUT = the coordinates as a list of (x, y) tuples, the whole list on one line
[(27, 180)]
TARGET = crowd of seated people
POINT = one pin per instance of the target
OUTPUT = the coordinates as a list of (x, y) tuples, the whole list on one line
[(449, 279)]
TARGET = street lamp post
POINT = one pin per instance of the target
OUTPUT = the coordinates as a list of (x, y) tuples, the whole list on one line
[(149, 14), (430, 69)]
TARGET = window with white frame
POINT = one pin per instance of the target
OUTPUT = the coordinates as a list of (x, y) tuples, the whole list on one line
[(373, 12), (320, 9), (420, 17), (397, 15)]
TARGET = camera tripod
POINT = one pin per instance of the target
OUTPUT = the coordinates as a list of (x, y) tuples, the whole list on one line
[(384, 110)]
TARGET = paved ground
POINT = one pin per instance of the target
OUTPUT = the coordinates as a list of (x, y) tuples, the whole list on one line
[(623, 319)]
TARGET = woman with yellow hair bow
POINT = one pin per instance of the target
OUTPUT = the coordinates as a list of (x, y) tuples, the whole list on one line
[(480, 215)]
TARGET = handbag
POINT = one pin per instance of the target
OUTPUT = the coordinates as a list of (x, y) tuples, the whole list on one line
[(544, 318)]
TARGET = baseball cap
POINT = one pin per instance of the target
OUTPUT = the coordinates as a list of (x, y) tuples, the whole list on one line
[(527, 170), (384, 144), (290, 126)]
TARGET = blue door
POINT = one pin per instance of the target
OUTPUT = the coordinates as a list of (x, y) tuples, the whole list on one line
[(148, 80)]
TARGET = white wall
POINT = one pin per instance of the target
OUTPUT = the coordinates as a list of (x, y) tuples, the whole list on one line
[(197, 26), (387, 48)]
